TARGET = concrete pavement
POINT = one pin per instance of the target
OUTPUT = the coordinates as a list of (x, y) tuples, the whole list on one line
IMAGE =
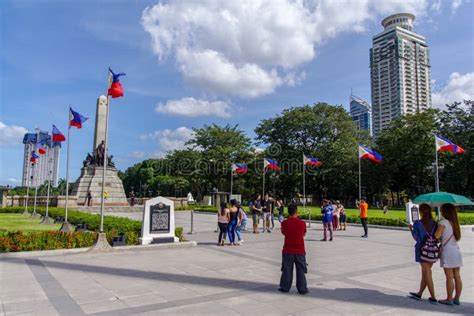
[(350, 275)]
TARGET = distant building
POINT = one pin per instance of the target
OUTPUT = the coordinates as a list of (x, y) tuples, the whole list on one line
[(361, 112), (47, 165), (399, 70)]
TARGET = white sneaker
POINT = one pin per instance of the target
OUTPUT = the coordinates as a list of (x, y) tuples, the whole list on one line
[(241, 241)]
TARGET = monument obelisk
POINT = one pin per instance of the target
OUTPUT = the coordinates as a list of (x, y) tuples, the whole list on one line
[(90, 179)]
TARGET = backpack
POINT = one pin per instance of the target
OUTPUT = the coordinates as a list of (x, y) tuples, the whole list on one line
[(429, 247)]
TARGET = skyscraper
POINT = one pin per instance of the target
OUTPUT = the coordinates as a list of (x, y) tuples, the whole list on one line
[(361, 112), (399, 70), (47, 165)]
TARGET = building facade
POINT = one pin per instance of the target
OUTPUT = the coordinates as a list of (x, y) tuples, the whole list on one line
[(400, 71), (361, 112), (47, 165)]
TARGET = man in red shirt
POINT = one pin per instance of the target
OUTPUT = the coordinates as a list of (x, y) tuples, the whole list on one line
[(293, 252)]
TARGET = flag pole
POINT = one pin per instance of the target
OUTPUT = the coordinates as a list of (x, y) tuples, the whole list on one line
[(66, 227), (231, 181), (48, 172), (25, 212), (36, 173), (436, 176), (104, 170), (360, 185), (304, 193)]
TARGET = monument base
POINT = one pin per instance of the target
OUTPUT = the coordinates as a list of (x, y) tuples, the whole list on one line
[(91, 180), (162, 240)]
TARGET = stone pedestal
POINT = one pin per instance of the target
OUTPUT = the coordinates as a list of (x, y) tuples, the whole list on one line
[(158, 221), (91, 180)]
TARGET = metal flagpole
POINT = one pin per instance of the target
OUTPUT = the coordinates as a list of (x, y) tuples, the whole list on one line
[(25, 212), (304, 193), (263, 187), (48, 169), (104, 170), (231, 180), (437, 176), (36, 174), (66, 227), (360, 185)]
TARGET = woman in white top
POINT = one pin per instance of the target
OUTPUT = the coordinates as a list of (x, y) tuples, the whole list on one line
[(449, 232)]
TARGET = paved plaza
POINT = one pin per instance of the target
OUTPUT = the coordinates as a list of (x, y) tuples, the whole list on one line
[(350, 275)]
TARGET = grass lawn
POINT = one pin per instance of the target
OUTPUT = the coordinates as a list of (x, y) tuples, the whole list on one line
[(16, 222)]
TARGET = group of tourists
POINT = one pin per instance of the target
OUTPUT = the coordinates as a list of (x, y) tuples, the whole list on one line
[(231, 221), (438, 241), (334, 217)]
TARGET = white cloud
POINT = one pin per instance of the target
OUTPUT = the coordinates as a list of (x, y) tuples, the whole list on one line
[(455, 5), (249, 48), (137, 154), (11, 134), (193, 108), (13, 180), (170, 140), (458, 88)]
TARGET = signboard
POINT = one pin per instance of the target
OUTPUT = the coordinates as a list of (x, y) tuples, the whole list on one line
[(159, 218)]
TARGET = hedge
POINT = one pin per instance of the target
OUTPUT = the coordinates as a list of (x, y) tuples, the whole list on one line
[(19, 241), (112, 224), (464, 218)]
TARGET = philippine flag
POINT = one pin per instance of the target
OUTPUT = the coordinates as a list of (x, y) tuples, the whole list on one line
[(307, 160), (76, 119), (239, 168), (270, 164), (365, 153), (40, 145), (34, 156), (116, 90), (444, 144), (57, 135)]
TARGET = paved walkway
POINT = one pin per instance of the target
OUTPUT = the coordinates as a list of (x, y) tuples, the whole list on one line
[(350, 275)]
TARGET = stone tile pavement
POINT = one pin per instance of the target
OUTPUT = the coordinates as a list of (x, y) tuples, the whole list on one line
[(350, 275)]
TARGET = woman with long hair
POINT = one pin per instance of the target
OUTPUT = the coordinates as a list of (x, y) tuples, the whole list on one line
[(223, 221), (420, 231), (233, 219), (449, 232)]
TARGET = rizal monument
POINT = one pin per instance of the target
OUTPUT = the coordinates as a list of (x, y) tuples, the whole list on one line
[(90, 179)]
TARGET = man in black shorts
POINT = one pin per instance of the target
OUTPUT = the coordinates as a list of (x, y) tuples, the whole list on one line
[(256, 210)]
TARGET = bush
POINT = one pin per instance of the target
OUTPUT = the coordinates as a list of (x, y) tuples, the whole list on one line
[(19, 241), (178, 232), (131, 228)]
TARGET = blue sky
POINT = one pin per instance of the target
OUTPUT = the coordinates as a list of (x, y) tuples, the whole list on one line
[(191, 63)]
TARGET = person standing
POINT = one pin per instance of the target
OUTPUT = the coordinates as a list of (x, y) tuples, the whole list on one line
[(267, 212), (233, 218), (420, 231), (132, 198), (256, 209), (241, 222), (223, 221), (342, 215), (327, 211), (363, 214), (281, 207), (293, 253), (449, 232), (89, 198), (335, 217)]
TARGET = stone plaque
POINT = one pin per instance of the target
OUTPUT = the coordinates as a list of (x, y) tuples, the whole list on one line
[(159, 218)]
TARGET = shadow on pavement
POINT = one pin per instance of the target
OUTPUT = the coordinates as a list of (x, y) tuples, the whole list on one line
[(356, 295)]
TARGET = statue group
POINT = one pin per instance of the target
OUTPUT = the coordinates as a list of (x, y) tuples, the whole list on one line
[(97, 158)]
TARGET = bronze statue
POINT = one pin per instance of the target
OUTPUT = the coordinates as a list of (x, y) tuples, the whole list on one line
[(100, 152)]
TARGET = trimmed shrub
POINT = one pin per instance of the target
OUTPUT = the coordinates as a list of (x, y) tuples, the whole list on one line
[(132, 228), (19, 241)]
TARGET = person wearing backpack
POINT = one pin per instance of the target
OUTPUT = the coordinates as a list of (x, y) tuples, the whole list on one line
[(449, 232), (241, 222), (426, 250)]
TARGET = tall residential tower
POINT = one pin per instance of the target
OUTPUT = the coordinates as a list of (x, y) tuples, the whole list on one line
[(399, 70), (361, 113)]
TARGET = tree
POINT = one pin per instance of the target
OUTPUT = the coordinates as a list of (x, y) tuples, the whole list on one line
[(323, 131), (457, 124), (219, 146), (407, 148)]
